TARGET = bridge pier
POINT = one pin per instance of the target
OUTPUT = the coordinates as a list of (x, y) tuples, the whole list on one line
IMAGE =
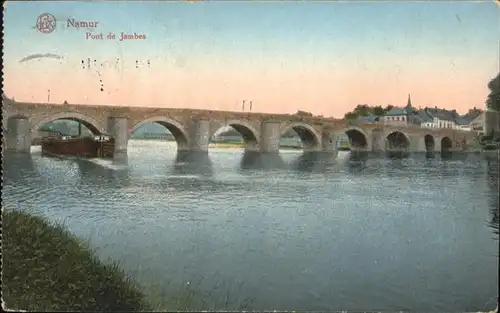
[(437, 144), (118, 128), (18, 134), (199, 136), (417, 143), (378, 141), (270, 135), (329, 143)]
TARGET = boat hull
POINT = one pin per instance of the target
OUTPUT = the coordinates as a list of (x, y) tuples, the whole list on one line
[(84, 147)]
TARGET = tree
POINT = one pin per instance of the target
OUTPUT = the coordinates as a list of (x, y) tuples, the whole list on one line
[(367, 110), (493, 100), (350, 116), (378, 110)]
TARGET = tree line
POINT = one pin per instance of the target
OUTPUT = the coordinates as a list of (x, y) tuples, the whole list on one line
[(493, 100), (493, 103), (367, 110)]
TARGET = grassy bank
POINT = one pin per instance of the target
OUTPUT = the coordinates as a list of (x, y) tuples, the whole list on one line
[(45, 268), (240, 145), (226, 145)]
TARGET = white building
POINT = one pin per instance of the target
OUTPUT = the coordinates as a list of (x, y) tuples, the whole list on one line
[(477, 124), (400, 116), (440, 118)]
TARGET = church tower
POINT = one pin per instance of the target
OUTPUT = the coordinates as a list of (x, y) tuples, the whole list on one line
[(409, 111)]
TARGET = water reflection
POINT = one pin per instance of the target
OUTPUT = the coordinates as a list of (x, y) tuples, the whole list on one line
[(397, 154), (95, 174), (446, 155), (17, 165), (359, 156), (355, 162), (315, 162), (494, 222), (492, 171), (120, 159), (430, 154), (385, 216), (193, 163), (261, 161)]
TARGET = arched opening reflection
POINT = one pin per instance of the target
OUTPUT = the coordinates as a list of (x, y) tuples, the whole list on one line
[(235, 135), (158, 134), (429, 143), (69, 127), (357, 139), (301, 146), (397, 145), (397, 141), (300, 136), (446, 146)]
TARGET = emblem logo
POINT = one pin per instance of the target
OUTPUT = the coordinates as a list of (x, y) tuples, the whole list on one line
[(46, 23)]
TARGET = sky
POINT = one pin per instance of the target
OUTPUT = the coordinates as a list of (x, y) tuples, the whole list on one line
[(322, 57)]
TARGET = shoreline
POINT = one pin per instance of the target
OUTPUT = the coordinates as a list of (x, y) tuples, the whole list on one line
[(47, 268), (226, 145), (35, 251)]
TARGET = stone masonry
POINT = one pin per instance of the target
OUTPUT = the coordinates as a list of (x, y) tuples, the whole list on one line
[(193, 128)]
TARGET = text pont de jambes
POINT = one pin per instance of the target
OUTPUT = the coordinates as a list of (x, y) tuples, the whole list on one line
[(93, 24)]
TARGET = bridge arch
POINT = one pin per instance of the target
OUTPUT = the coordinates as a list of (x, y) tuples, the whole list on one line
[(446, 144), (92, 124), (357, 137), (397, 140), (309, 136), (251, 137), (179, 132), (430, 143)]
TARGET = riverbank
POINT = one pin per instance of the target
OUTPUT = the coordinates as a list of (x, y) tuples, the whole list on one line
[(238, 145), (226, 145), (46, 268)]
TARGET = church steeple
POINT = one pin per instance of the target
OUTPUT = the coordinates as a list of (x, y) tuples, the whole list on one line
[(408, 105), (409, 111)]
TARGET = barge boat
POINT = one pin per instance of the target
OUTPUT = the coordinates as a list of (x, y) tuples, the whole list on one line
[(84, 147)]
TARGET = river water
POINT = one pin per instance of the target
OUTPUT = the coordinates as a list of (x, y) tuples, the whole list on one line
[(294, 232)]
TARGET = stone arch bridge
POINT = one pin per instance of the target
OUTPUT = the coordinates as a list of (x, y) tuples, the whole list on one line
[(193, 128)]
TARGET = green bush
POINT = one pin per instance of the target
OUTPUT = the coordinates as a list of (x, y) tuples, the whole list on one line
[(45, 268)]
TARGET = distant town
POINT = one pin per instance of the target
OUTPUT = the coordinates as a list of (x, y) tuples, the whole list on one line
[(424, 117)]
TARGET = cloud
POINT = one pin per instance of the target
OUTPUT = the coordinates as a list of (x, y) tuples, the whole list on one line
[(40, 56)]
